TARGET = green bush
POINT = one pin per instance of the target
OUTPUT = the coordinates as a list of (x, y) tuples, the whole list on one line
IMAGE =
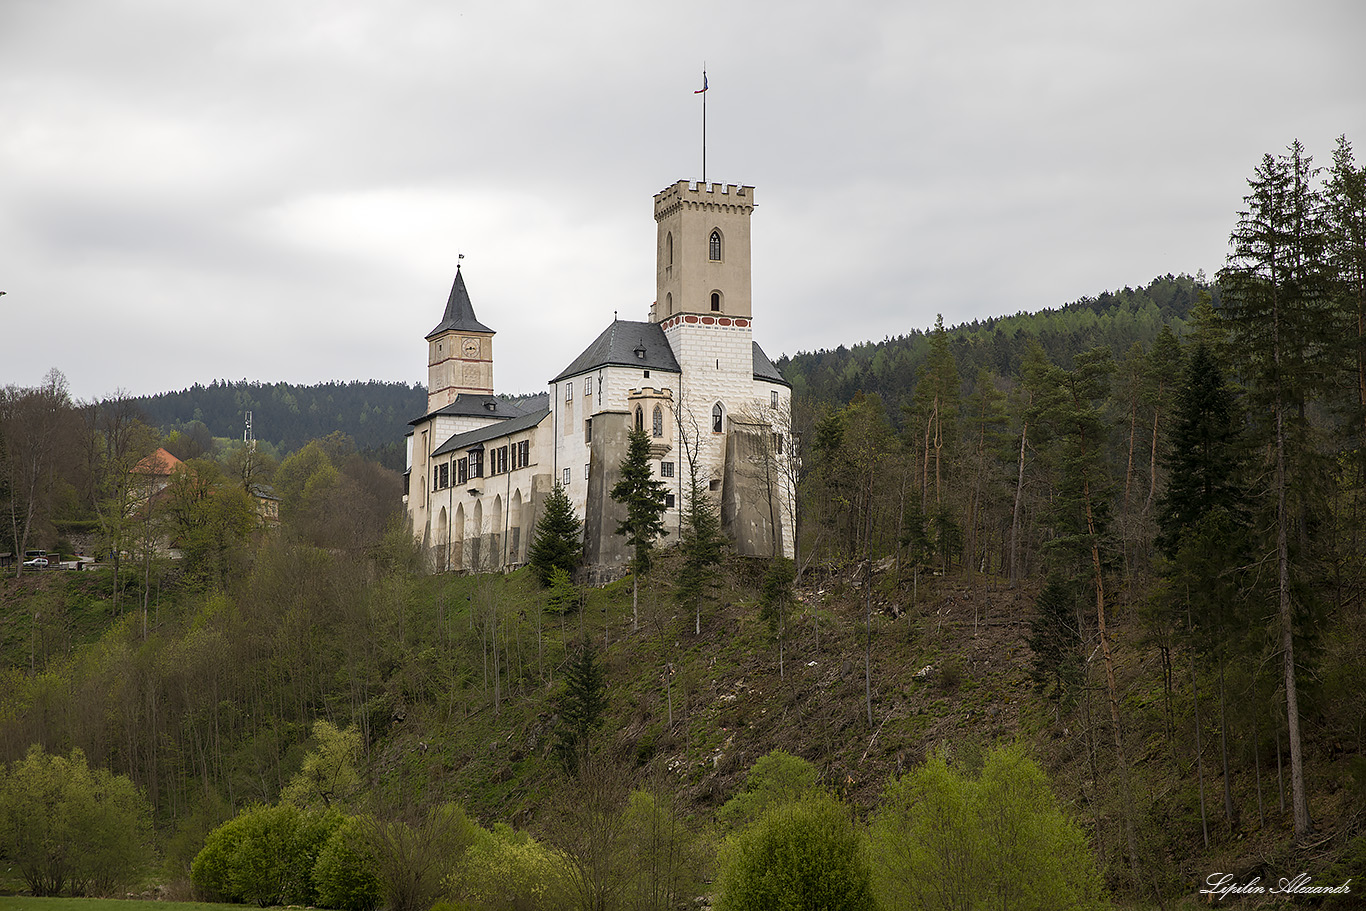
[(265, 855), (68, 827), (798, 855), (345, 876), (778, 777), (942, 839), (506, 870)]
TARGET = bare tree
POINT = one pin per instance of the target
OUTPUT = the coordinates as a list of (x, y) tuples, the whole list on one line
[(36, 438)]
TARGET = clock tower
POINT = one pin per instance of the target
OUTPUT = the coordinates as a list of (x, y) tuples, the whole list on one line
[(459, 352)]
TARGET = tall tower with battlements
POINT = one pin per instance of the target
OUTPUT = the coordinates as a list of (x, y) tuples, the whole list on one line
[(703, 297), (702, 259)]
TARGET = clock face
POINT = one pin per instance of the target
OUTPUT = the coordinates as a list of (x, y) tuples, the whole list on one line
[(471, 347)]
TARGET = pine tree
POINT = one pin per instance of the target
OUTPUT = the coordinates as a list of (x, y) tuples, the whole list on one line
[(1277, 296), (581, 707), (702, 545), (558, 543), (1055, 639), (643, 495)]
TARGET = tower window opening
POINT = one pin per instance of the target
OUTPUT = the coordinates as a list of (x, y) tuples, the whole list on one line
[(714, 247), (658, 428), (716, 301), (640, 418), (718, 417)]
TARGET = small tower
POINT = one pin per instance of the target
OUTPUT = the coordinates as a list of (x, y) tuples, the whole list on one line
[(459, 352)]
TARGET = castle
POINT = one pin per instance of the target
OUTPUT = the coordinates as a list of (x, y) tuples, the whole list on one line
[(691, 375)]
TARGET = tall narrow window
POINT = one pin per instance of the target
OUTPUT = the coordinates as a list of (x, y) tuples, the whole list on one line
[(717, 418), (659, 422), (716, 301), (669, 250), (714, 247), (640, 418)]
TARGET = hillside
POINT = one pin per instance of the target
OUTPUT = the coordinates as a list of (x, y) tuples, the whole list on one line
[(448, 716), (1117, 320), (374, 414)]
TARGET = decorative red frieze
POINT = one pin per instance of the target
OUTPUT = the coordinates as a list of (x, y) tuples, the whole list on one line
[(690, 319)]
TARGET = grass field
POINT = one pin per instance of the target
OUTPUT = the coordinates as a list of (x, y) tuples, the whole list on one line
[(21, 903)]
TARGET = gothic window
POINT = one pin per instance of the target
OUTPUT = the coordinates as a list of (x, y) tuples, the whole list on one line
[(659, 422), (716, 301), (714, 247), (640, 418), (718, 417)]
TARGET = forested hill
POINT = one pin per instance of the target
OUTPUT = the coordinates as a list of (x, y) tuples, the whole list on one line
[(374, 414), (1115, 319)]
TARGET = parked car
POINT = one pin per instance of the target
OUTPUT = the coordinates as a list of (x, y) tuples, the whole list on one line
[(36, 563)]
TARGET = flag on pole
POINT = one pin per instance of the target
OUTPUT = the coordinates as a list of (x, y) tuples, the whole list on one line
[(704, 84)]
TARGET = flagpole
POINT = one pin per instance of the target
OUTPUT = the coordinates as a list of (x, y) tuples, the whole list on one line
[(703, 92)]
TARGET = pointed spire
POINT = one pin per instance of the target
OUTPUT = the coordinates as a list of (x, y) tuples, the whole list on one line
[(459, 311)]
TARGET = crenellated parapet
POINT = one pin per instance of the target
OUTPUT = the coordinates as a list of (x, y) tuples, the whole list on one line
[(717, 197)]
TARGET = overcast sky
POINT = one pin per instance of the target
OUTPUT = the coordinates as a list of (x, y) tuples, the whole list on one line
[(233, 189)]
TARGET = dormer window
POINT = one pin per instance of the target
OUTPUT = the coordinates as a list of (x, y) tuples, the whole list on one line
[(714, 247)]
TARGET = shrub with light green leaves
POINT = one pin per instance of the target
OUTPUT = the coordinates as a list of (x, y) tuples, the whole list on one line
[(265, 856), (806, 854), (70, 828), (942, 839), (345, 875)]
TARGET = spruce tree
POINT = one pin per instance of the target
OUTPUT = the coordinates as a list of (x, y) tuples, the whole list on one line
[(702, 545), (558, 543), (581, 707), (1277, 297), (643, 495)]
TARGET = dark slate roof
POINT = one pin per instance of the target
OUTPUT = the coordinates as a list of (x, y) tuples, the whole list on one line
[(764, 369), (459, 311), (469, 405), (471, 438), (617, 345)]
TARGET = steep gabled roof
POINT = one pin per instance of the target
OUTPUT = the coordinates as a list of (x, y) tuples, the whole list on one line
[(459, 311), (764, 369), (471, 405), (471, 438), (625, 344), (157, 464)]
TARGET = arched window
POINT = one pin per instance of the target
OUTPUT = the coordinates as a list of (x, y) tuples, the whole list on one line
[(659, 422), (669, 250), (714, 247), (640, 418), (716, 301), (669, 302), (717, 418)]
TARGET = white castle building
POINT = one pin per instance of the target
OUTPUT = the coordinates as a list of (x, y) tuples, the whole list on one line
[(691, 375)]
